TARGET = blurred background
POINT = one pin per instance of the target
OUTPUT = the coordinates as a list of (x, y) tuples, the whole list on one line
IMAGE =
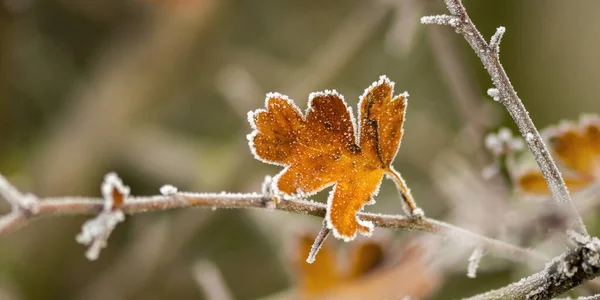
[(158, 91)]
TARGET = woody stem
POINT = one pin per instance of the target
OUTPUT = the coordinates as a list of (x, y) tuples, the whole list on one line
[(407, 197)]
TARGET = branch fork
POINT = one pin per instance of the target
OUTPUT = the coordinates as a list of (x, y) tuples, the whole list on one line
[(505, 93), (578, 264)]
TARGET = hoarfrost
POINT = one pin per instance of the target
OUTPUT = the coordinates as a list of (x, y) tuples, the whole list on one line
[(112, 183), (319, 240), (529, 137), (28, 202), (167, 190), (441, 20), (494, 93), (95, 232), (496, 38), (503, 142), (474, 260)]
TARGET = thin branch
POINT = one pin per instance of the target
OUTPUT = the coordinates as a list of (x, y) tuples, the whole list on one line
[(489, 55), (143, 204), (578, 264), (560, 275)]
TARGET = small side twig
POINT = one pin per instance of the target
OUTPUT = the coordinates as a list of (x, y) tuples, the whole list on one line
[(319, 240), (474, 260), (143, 204), (506, 94), (577, 265), (95, 232)]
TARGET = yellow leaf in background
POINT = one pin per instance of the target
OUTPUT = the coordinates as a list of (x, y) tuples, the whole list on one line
[(371, 273), (576, 148), (533, 182)]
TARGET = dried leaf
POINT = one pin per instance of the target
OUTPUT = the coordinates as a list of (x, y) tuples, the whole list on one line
[(577, 148), (374, 273), (322, 274), (114, 192), (320, 149), (365, 258), (533, 182)]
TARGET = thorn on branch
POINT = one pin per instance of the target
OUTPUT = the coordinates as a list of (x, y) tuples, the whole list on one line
[(319, 240), (95, 232), (441, 20), (494, 44)]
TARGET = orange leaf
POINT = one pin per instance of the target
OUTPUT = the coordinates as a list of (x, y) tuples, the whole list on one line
[(592, 131), (577, 148), (114, 192), (373, 274), (573, 149), (533, 182), (365, 258), (320, 275), (320, 149)]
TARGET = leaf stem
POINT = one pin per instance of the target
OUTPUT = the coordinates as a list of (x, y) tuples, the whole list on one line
[(407, 197)]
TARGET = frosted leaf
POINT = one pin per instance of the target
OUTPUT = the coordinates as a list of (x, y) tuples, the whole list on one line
[(326, 147), (168, 189), (474, 260), (114, 191)]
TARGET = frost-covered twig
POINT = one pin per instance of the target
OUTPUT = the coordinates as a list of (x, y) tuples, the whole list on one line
[(474, 260), (143, 204), (594, 297), (563, 273), (95, 232), (506, 94)]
